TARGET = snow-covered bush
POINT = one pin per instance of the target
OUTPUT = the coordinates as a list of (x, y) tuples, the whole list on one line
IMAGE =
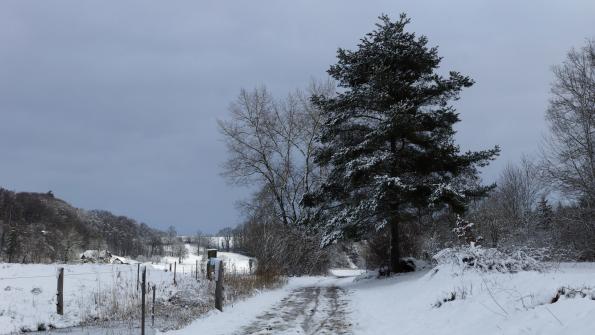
[(491, 259), (464, 231), (571, 293)]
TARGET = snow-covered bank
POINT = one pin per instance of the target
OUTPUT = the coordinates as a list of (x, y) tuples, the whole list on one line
[(446, 300)]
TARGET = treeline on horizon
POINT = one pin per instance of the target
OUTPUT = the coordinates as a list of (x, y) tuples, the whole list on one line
[(40, 228)]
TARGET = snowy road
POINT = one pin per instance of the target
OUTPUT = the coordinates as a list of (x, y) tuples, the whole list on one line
[(306, 310), (306, 305)]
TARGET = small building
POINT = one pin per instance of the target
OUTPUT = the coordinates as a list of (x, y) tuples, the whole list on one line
[(96, 256), (119, 260)]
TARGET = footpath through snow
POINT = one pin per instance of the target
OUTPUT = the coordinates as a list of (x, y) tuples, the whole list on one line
[(444, 300)]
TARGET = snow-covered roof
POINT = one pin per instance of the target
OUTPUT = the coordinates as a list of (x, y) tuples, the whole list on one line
[(92, 254)]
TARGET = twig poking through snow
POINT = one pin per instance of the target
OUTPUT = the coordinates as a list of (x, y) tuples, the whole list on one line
[(492, 295), (555, 317)]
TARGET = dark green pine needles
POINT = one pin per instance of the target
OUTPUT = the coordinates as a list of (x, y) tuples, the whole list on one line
[(388, 139)]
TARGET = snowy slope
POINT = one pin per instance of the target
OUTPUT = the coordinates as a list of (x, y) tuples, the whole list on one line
[(233, 262), (485, 303)]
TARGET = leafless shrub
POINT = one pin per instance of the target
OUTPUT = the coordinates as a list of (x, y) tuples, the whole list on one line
[(491, 259), (459, 293), (570, 293)]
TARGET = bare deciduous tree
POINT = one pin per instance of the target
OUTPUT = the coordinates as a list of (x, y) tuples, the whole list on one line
[(227, 234), (271, 144), (199, 241), (519, 189), (171, 239), (569, 155), (508, 212)]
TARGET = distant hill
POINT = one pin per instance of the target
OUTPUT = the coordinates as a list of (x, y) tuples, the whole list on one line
[(38, 227)]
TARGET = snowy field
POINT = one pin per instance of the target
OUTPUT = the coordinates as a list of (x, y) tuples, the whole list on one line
[(92, 292), (233, 262), (28, 293), (444, 300)]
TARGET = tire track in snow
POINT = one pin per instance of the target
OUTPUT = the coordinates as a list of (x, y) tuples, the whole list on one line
[(307, 310)]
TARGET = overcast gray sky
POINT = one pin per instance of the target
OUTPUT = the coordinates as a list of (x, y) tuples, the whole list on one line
[(113, 104)]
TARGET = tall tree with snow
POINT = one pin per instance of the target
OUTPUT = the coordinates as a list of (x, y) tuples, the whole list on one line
[(388, 137)]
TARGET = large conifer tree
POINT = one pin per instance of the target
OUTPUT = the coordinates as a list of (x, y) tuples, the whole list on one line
[(388, 138)]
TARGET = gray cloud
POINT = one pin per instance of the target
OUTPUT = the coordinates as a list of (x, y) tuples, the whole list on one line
[(113, 104)]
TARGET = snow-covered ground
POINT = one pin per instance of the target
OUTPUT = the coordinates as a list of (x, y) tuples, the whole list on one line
[(281, 311), (233, 262), (484, 303), (341, 273), (28, 291), (443, 300)]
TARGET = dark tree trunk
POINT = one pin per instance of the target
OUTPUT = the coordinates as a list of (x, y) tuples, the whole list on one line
[(395, 255), (2, 239)]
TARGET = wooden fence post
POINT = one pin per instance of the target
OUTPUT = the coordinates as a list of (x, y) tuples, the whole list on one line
[(175, 272), (137, 275), (143, 292), (209, 266), (153, 308), (60, 294), (219, 288), (197, 269)]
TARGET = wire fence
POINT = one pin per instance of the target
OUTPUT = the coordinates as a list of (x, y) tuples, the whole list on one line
[(53, 276), (183, 270), (115, 294)]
